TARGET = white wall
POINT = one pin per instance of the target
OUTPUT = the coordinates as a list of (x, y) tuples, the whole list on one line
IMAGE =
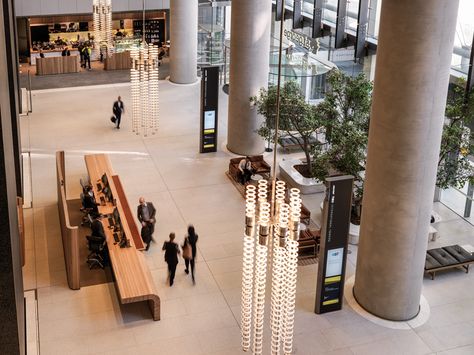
[(59, 7)]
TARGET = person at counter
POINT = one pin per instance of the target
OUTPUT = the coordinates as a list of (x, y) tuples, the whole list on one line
[(87, 56), (97, 227), (89, 201), (65, 52)]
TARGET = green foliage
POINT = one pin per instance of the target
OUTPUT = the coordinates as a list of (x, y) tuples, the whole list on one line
[(297, 117), (345, 112), (454, 168)]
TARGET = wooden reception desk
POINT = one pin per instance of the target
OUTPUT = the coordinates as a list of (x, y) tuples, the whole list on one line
[(57, 65), (133, 278)]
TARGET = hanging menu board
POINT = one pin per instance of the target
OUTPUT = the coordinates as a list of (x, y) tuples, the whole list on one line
[(334, 239)]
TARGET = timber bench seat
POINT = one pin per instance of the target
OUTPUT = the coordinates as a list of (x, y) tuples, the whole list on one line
[(453, 256)]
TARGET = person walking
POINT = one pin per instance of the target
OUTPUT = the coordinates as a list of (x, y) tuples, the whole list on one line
[(171, 256), (146, 213), (118, 109), (189, 251), (146, 235)]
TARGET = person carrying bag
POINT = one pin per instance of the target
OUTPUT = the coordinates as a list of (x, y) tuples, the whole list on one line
[(190, 251)]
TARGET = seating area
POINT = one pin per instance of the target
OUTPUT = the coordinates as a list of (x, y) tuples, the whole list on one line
[(309, 237), (259, 166), (309, 243), (453, 256), (291, 143)]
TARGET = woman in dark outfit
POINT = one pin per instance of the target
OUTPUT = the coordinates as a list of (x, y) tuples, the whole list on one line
[(191, 239), (171, 256)]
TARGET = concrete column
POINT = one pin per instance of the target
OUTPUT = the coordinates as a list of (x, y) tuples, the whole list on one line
[(12, 309), (249, 67), (183, 37), (411, 81)]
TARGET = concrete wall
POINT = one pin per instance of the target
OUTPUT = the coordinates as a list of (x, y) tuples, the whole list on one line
[(60, 7)]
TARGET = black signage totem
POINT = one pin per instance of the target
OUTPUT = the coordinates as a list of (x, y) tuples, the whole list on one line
[(334, 239), (209, 109)]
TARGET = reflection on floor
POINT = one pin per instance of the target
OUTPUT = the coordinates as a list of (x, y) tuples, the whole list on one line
[(188, 187)]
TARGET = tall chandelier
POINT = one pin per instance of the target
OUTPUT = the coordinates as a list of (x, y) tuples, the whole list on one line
[(144, 76), (272, 228), (102, 14)]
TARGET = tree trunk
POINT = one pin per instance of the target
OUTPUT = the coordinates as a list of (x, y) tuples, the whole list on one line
[(308, 155)]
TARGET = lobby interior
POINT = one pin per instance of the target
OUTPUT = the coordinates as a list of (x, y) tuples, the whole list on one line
[(187, 187)]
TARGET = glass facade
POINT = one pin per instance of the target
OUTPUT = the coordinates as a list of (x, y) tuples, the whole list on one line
[(464, 31), (211, 35)]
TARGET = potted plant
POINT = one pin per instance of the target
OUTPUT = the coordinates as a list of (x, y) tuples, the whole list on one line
[(454, 167), (345, 111), (298, 119)]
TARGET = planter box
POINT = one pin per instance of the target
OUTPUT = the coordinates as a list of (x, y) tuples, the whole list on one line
[(293, 177)]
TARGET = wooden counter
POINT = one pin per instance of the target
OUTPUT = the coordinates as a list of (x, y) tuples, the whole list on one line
[(57, 65), (133, 278), (118, 61)]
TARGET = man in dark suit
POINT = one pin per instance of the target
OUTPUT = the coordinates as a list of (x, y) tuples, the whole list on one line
[(146, 215), (89, 201), (118, 109)]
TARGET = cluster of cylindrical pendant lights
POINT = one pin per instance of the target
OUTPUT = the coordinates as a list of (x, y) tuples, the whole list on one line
[(270, 243), (144, 78), (102, 15)]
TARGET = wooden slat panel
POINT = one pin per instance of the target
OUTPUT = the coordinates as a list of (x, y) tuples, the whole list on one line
[(70, 234), (137, 239)]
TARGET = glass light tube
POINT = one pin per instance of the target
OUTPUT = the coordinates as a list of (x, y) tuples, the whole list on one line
[(248, 265)]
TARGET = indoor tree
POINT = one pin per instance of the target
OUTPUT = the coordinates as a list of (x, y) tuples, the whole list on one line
[(345, 112), (298, 118), (454, 167)]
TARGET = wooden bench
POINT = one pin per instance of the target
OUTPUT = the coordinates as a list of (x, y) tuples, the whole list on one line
[(449, 257)]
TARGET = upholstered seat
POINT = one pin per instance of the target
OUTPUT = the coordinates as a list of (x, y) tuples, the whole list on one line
[(443, 257), (459, 253), (431, 263)]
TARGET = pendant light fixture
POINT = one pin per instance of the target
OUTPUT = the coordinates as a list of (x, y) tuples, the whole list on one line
[(144, 76), (102, 15), (272, 228)]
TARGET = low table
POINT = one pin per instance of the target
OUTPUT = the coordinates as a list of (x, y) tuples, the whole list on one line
[(254, 179)]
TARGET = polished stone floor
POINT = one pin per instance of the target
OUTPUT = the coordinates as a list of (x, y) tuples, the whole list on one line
[(188, 187)]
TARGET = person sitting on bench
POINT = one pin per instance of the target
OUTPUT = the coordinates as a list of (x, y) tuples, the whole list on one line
[(245, 170)]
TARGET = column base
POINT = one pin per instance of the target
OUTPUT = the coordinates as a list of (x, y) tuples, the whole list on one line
[(417, 321), (179, 84)]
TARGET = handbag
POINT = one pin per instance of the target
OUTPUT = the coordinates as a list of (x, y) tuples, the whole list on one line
[(187, 250), (113, 119)]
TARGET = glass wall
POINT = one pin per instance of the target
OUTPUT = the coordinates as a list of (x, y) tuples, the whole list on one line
[(463, 38), (211, 35)]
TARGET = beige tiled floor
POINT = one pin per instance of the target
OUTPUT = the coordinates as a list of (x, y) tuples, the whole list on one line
[(188, 187)]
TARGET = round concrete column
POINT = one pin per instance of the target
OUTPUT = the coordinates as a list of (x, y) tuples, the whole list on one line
[(249, 66), (411, 81), (183, 37)]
